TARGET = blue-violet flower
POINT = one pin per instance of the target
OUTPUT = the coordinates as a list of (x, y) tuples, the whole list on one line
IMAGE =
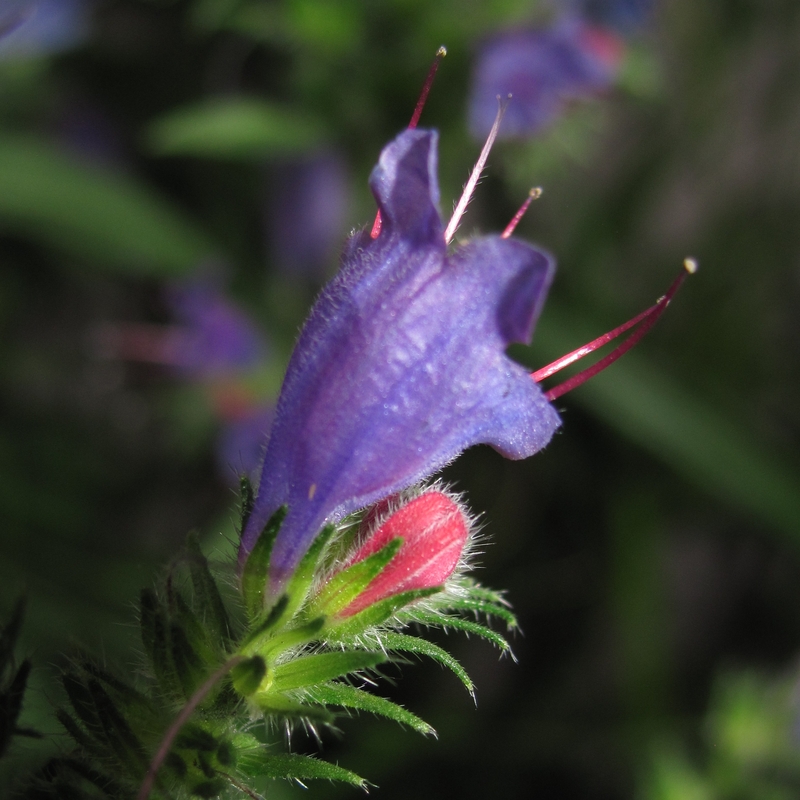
[(401, 364)]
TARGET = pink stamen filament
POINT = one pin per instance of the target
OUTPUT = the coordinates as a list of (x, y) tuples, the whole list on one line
[(533, 194), (647, 319), (474, 177), (423, 97)]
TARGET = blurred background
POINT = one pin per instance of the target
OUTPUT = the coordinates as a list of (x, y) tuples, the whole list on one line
[(176, 181)]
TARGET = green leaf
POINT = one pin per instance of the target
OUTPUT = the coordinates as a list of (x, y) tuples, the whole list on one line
[(340, 694), (414, 644), (322, 667), (295, 767), (233, 128), (256, 568), (345, 586), (96, 215)]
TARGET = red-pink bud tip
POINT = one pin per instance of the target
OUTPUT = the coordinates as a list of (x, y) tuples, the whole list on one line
[(647, 318), (434, 529)]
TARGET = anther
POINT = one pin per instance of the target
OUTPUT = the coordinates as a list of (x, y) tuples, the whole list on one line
[(647, 319), (533, 194)]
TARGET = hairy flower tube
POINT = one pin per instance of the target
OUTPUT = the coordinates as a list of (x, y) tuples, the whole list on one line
[(401, 365)]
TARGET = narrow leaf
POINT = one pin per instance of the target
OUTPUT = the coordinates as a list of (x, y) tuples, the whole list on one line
[(296, 767), (305, 574), (256, 568), (92, 213), (414, 644), (456, 623), (340, 694), (207, 596), (233, 128), (322, 667)]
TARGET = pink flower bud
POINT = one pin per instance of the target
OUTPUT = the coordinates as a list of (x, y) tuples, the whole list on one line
[(434, 529)]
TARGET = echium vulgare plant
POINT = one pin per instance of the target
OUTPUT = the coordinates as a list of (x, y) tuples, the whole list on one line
[(346, 543)]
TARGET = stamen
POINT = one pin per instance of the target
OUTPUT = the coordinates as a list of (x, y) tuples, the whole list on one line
[(426, 87), (648, 318), (423, 97), (469, 188), (533, 194)]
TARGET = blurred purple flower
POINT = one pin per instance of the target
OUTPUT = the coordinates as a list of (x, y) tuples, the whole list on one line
[(42, 27), (214, 337), (542, 70), (625, 16), (401, 365), (307, 210)]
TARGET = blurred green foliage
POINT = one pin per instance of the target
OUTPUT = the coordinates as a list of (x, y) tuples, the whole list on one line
[(651, 548)]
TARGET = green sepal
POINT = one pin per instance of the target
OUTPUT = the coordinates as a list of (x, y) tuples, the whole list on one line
[(299, 585), (376, 614), (322, 667), (195, 737), (82, 704), (121, 740), (283, 706), (295, 767), (483, 607), (256, 568), (155, 638), (208, 600), (348, 584), (189, 668), (246, 500), (209, 649), (341, 694), (432, 619), (414, 644), (248, 674), (261, 629), (289, 638), (79, 735)]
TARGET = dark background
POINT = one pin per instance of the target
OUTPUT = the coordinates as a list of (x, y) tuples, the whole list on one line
[(651, 551)]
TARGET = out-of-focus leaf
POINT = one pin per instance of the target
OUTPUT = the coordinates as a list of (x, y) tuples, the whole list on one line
[(91, 213), (697, 441), (237, 128)]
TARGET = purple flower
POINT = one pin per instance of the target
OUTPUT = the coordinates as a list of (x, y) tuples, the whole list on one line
[(215, 337), (307, 211), (541, 70), (43, 27), (401, 365)]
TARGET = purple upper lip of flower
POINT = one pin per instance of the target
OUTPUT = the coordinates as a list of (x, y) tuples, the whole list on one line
[(401, 365)]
